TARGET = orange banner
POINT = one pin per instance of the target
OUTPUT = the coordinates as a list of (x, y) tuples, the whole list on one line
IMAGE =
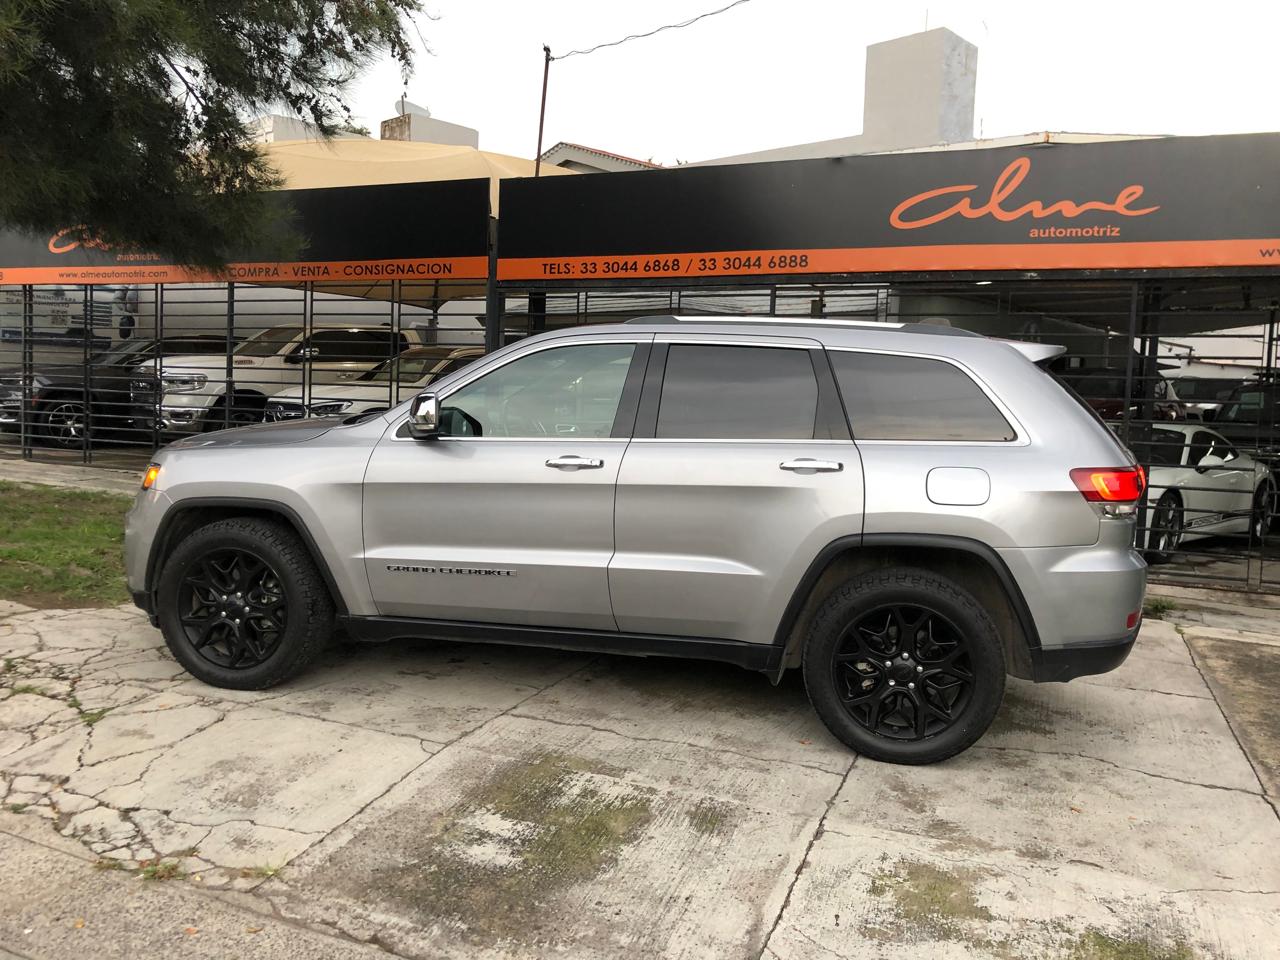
[(444, 268), (995, 256)]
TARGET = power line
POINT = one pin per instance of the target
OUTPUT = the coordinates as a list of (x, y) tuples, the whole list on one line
[(640, 36)]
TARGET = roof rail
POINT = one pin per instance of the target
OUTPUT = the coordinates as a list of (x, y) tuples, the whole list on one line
[(912, 327), (768, 321)]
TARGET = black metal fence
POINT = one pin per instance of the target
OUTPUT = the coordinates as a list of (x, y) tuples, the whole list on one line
[(1183, 370)]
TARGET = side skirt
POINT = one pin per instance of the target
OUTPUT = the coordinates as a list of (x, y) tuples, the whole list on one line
[(752, 656)]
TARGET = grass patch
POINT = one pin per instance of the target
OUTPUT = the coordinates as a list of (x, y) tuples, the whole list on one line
[(90, 717), (494, 862), (1098, 946), (260, 873), (105, 863), (60, 547), (30, 688), (1157, 607), (160, 870), (932, 901), (15, 807)]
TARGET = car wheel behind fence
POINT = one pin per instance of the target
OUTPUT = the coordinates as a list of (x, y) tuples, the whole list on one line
[(1166, 529), (63, 422)]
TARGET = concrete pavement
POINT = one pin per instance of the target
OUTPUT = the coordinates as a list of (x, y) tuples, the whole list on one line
[(444, 800)]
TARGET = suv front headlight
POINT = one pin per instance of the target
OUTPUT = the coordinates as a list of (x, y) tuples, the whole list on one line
[(183, 383), (330, 408)]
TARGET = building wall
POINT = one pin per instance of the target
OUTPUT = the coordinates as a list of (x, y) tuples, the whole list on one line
[(919, 91)]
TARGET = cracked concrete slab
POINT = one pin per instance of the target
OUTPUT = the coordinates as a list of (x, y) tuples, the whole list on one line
[(119, 734), (57, 907), (450, 800), (277, 770), (704, 704), (1244, 677), (1057, 810), (530, 838), (893, 895), (435, 692), (1176, 737), (1159, 665), (241, 843)]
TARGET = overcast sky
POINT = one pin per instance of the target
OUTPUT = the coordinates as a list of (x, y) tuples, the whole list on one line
[(775, 72)]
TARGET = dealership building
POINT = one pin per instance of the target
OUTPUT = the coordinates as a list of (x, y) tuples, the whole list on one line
[(1151, 259)]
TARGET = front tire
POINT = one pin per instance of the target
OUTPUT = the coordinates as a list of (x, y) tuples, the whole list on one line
[(904, 666), (63, 422), (242, 604), (246, 410)]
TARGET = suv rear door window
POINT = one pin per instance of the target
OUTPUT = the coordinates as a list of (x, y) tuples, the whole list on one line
[(892, 397), (713, 392)]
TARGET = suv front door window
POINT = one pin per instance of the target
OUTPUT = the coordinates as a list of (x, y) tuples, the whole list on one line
[(565, 392)]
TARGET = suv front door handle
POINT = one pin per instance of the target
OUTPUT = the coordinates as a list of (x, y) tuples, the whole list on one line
[(572, 462), (808, 464)]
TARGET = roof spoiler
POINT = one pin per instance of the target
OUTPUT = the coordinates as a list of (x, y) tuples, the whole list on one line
[(1037, 353)]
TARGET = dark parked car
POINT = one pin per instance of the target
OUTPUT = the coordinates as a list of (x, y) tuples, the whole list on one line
[(1103, 388), (1250, 418), (58, 401)]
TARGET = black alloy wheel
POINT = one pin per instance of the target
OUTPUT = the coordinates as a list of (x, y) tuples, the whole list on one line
[(1167, 528), (903, 672), (242, 603), (904, 665), (64, 422), (233, 609)]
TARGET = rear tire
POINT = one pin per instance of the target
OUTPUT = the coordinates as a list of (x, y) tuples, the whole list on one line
[(1167, 525), (242, 605), (904, 666), (1263, 517)]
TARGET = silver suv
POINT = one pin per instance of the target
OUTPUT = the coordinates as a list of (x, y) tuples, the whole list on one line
[(906, 513)]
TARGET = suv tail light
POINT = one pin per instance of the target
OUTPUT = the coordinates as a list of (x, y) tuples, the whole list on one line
[(1110, 484)]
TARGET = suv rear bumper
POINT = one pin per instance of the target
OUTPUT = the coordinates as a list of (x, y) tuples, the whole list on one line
[(1060, 664)]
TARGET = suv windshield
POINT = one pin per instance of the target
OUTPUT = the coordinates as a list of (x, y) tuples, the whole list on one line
[(409, 369), (268, 342), (125, 352), (1248, 405), (1205, 389)]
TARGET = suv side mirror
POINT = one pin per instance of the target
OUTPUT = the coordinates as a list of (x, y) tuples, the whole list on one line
[(424, 417), (302, 354), (1209, 461)]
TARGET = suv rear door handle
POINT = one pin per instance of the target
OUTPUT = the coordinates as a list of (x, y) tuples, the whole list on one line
[(572, 462), (805, 464)]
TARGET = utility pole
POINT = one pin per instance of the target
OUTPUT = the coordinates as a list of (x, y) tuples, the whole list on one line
[(542, 111)]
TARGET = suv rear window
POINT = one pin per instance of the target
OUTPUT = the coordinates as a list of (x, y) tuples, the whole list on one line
[(914, 398), (737, 393)]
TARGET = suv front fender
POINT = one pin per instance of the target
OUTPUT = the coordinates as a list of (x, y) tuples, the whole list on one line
[(188, 514)]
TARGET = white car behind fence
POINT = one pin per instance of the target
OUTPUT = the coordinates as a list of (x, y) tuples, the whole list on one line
[(1201, 485)]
